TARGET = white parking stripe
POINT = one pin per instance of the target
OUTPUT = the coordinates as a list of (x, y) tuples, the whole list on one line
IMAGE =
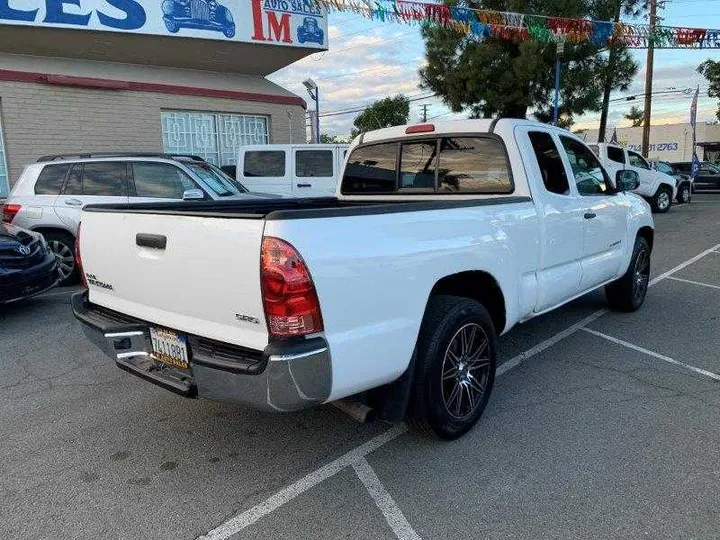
[(694, 282), (384, 501), (239, 522), (685, 264), (662, 357)]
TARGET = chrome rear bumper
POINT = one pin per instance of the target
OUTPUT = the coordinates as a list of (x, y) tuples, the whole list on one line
[(286, 376)]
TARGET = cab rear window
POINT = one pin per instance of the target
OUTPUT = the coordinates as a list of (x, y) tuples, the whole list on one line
[(446, 166)]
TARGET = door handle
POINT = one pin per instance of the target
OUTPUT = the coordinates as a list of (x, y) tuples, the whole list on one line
[(155, 241), (73, 202), (304, 185), (590, 215)]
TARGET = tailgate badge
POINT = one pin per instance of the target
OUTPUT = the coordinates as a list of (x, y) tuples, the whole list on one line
[(247, 318)]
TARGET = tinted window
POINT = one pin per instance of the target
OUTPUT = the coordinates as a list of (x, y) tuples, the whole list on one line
[(473, 165), (636, 160), (106, 179), (590, 177), (310, 163), (417, 165), (51, 179), (551, 165), (371, 169), (683, 167), (160, 180), (74, 181), (616, 154), (664, 168), (707, 168), (215, 179), (264, 163)]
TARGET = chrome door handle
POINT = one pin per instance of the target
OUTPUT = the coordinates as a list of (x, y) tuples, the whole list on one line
[(590, 215), (73, 202)]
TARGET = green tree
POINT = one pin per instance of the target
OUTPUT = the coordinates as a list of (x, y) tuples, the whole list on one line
[(387, 112), (710, 69), (500, 77), (331, 139), (636, 115)]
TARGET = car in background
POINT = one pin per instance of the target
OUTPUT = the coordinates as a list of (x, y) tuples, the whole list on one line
[(684, 181), (199, 15), (50, 194), (657, 188), (708, 176), (310, 32), (27, 265)]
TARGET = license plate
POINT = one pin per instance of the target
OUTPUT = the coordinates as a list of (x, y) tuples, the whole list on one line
[(169, 347)]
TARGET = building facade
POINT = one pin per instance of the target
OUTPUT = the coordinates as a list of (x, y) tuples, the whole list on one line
[(180, 76), (669, 142)]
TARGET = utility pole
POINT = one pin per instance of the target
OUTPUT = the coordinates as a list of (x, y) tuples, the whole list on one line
[(607, 87), (424, 113), (649, 78)]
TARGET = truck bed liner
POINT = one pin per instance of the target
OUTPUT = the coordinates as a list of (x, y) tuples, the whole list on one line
[(300, 208)]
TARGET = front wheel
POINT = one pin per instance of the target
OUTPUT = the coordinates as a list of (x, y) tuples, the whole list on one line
[(662, 200), (454, 367), (684, 193), (628, 293)]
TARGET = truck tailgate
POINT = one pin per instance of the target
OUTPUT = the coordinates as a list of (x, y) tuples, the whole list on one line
[(204, 281)]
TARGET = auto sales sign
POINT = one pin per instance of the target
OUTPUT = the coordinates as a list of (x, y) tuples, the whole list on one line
[(298, 23)]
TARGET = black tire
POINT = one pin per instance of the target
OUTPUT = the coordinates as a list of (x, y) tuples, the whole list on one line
[(444, 370), (628, 293), (662, 200), (63, 245), (684, 193)]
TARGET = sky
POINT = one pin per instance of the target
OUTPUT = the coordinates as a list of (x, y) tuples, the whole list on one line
[(368, 60)]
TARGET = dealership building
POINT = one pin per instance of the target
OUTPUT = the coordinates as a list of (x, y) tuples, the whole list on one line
[(180, 76)]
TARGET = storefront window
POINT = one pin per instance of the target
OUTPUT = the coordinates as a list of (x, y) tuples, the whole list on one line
[(216, 137), (4, 182)]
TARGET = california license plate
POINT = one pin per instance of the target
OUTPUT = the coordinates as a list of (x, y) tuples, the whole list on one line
[(169, 347)]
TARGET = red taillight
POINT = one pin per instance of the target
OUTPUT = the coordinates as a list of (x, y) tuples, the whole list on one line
[(420, 128), (289, 296), (78, 259), (9, 211)]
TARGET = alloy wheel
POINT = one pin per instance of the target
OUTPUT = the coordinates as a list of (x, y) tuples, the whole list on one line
[(641, 275), (663, 200), (64, 256), (465, 371)]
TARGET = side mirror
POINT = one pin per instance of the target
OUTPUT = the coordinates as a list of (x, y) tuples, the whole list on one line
[(193, 195), (627, 180)]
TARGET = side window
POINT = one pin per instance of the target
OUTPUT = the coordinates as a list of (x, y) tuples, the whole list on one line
[(264, 163), (74, 181), (106, 179), (590, 177), (473, 165), (706, 168), (616, 154), (51, 179), (370, 169), (313, 163), (160, 180), (417, 165), (636, 160), (550, 163)]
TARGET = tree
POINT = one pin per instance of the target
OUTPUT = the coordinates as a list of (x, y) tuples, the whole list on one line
[(711, 71), (636, 116), (500, 77), (331, 139), (387, 112)]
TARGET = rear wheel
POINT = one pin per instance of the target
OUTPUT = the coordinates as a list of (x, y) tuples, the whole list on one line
[(684, 193), (454, 367), (628, 293), (63, 246), (662, 200)]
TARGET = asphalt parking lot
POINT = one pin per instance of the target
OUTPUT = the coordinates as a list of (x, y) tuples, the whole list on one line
[(601, 425)]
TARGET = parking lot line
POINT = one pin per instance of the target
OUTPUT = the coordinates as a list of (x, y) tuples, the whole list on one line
[(384, 501), (685, 264), (694, 282), (238, 523), (659, 356)]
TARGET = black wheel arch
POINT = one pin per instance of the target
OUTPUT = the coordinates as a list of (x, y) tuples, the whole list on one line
[(648, 234)]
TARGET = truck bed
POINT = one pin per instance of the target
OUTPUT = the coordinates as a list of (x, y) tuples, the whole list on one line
[(296, 208)]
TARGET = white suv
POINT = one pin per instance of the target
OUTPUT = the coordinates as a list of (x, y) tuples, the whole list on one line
[(50, 194)]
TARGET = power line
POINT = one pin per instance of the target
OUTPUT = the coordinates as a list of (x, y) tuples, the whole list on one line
[(363, 107)]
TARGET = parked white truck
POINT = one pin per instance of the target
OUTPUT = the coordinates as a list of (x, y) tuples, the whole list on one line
[(441, 237), (658, 188)]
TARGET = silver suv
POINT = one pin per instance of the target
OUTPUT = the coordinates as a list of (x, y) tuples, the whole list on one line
[(50, 194)]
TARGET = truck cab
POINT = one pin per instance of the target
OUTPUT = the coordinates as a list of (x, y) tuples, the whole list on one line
[(658, 188)]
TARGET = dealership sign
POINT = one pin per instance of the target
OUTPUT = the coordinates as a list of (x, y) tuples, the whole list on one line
[(298, 23)]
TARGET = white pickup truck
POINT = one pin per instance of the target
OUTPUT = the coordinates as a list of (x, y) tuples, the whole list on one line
[(441, 238), (658, 188)]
